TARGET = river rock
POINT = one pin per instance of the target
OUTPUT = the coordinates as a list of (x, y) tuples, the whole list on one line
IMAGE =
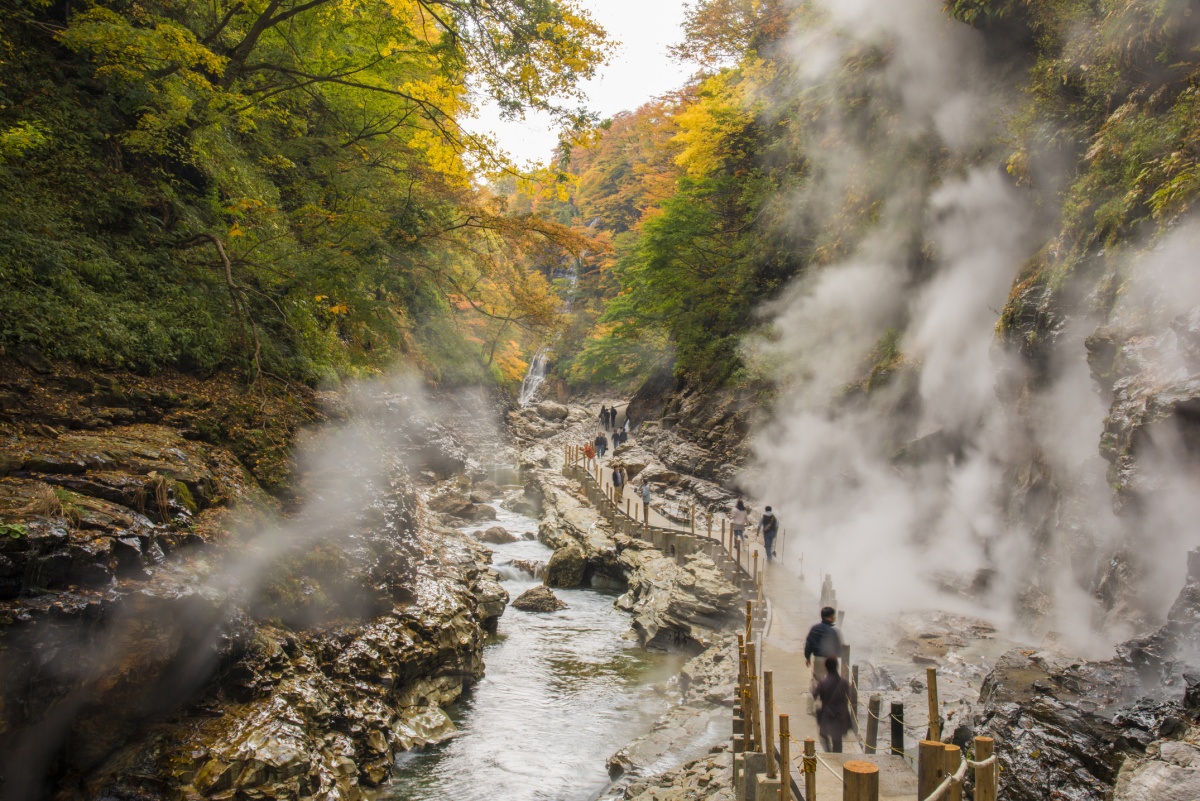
[(498, 535), (538, 599), (550, 410), (531, 566), (566, 567)]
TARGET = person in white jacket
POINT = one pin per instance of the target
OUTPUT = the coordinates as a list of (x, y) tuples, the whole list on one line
[(739, 519)]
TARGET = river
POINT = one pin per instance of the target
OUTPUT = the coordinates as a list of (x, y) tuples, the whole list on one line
[(561, 693)]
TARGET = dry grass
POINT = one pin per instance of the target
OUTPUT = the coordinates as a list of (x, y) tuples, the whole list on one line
[(53, 502)]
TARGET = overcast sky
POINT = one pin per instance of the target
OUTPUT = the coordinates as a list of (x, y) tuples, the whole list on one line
[(640, 70)]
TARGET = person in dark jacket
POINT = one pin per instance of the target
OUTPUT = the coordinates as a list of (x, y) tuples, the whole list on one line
[(823, 641), (768, 527), (601, 444), (833, 717)]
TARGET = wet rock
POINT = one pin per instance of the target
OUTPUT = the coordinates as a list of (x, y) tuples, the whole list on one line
[(534, 568), (1169, 771), (566, 567), (498, 535), (538, 599)]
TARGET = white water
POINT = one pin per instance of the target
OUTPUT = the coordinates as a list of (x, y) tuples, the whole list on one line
[(562, 692)]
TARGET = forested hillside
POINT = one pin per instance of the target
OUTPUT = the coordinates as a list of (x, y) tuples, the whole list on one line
[(275, 186), (761, 170)]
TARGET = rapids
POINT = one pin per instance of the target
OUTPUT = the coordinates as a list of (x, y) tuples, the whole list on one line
[(561, 693)]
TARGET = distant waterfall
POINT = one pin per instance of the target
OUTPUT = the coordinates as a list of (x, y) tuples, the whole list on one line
[(537, 365), (533, 378)]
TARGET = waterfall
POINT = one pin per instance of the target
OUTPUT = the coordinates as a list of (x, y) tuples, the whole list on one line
[(533, 378)]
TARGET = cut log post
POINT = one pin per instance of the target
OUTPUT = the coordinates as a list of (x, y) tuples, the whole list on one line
[(935, 710), (810, 769), (769, 720), (898, 728), (754, 570), (860, 781), (785, 760), (985, 777), (753, 724), (931, 767), (693, 519), (873, 723), (953, 762)]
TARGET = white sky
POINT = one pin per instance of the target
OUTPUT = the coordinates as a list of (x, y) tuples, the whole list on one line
[(639, 70)]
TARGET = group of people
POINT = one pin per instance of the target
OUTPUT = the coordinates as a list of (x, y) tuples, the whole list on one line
[(608, 417), (767, 529), (832, 692)]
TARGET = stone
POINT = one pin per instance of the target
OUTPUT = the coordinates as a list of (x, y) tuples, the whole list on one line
[(549, 410), (538, 599), (498, 535), (566, 567)]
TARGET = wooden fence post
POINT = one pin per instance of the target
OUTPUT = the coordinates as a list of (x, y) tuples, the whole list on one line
[(953, 762), (873, 723), (769, 720), (810, 769), (985, 778), (898, 728), (860, 781), (785, 760), (935, 712), (931, 767)]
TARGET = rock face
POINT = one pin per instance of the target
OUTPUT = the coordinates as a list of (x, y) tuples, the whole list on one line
[(1071, 728), (154, 647), (538, 599)]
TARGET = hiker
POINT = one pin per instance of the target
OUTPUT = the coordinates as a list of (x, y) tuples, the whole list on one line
[(823, 642), (646, 493), (589, 451), (624, 476), (618, 481), (601, 444), (768, 527), (833, 714), (739, 519), (603, 416)]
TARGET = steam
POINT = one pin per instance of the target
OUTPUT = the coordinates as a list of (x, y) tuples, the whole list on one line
[(962, 482)]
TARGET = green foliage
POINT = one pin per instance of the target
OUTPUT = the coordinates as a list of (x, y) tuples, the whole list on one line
[(265, 184), (13, 531)]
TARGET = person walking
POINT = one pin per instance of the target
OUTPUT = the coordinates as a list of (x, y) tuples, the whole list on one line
[(589, 451), (768, 527), (833, 715), (646, 493), (823, 641), (618, 481), (739, 518), (601, 445)]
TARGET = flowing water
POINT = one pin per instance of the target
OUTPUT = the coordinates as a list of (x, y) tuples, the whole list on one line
[(562, 692)]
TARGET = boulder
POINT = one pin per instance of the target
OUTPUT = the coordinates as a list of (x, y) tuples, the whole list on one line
[(566, 567), (538, 599), (498, 535), (549, 410)]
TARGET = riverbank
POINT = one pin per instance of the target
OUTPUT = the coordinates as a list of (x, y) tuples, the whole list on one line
[(176, 622)]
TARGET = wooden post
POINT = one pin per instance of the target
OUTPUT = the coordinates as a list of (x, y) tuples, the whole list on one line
[(710, 526), (860, 781), (873, 722), (935, 710), (931, 767), (738, 557), (627, 503), (785, 760), (810, 769), (846, 661), (854, 700), (754, 570), (898, 728), (985, 778), (769, 720), (693, 517), (749, 618), (722, 532), (751, 707), (953, 762)]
